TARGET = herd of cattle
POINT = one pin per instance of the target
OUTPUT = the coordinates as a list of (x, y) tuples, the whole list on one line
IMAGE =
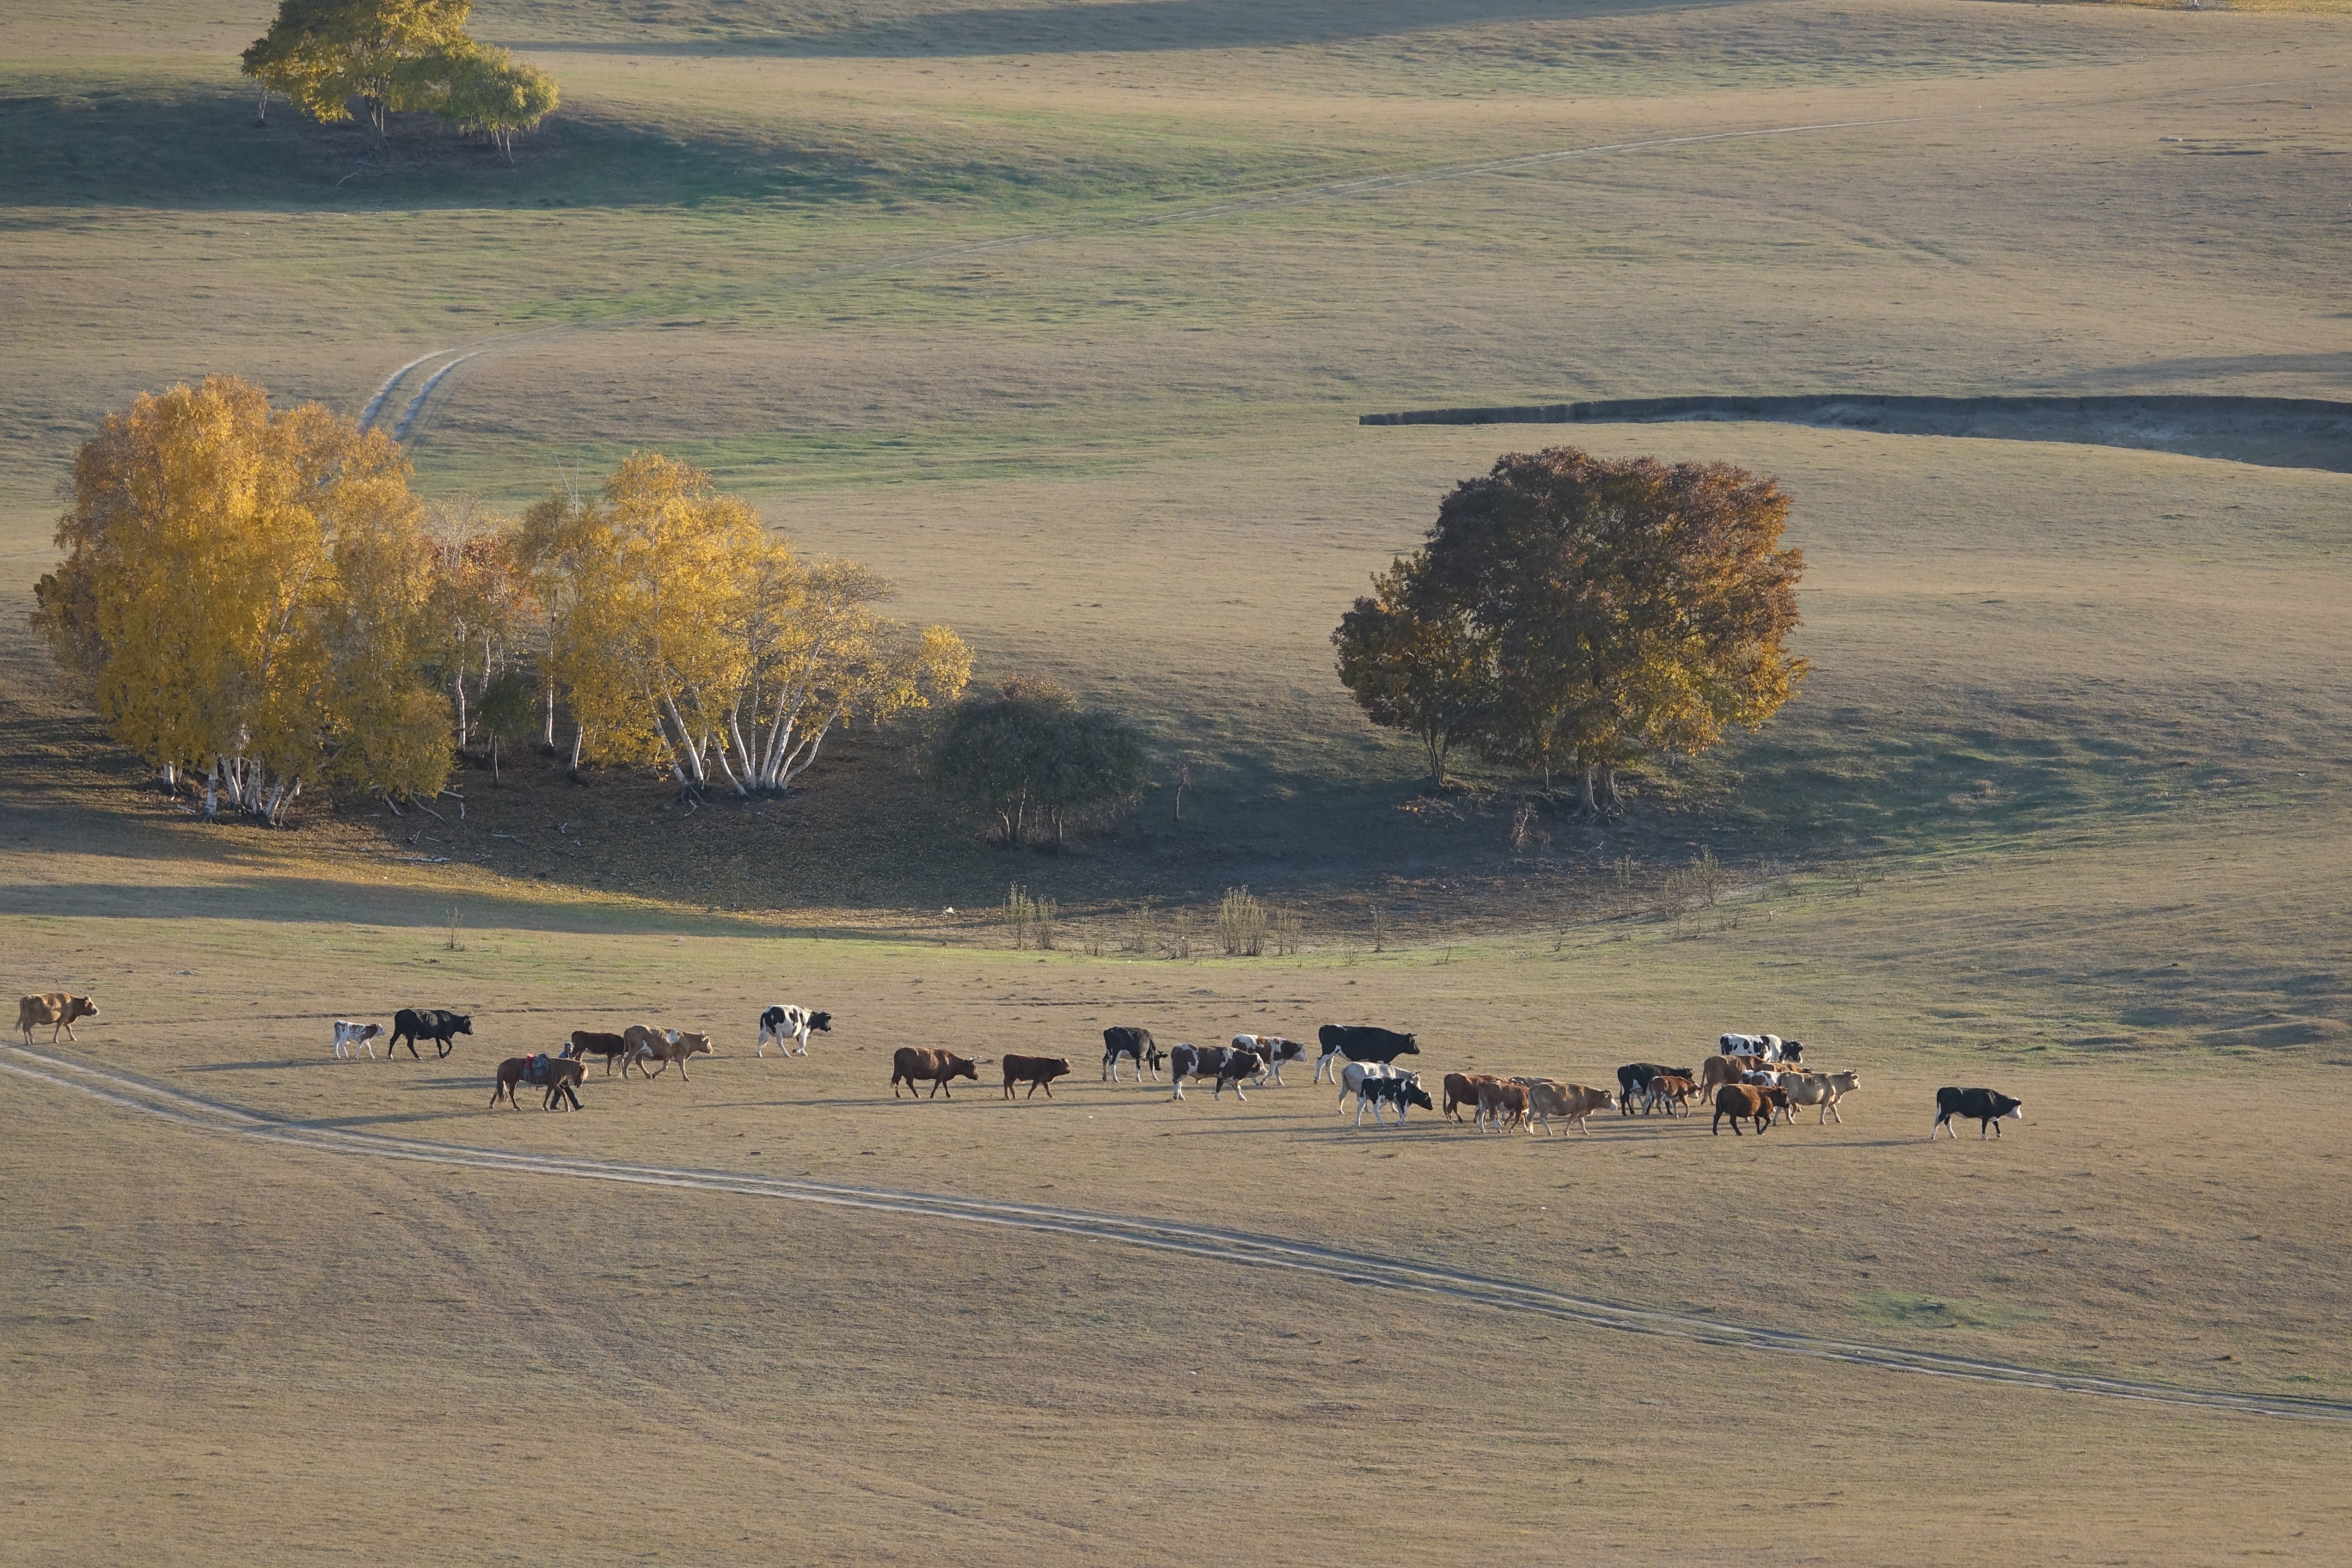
[(1758, 1079)]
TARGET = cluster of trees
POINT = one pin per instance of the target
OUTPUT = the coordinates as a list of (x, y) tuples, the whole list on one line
[(680, 634), (257, 597), (1570, 613), (395, 55), (1034, 763)]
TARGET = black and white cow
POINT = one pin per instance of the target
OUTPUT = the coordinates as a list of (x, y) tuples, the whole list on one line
[(1351, 1080), (1135, 1045), (1273, 1050), (1360, 1043), (1401, 1090), (1765, 1047), (1225, 1065), (789, 1028), (1984, 1107)]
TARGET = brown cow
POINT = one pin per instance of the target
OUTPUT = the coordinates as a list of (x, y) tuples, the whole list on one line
[(1503, 1104), (55, 1008), (1748, 1101), (1670, 1089), (1462, 1089), (590, 1043), (669, 1046), (913, 1062), (1038, 1072), (1572, 1102), (1717, 1071)]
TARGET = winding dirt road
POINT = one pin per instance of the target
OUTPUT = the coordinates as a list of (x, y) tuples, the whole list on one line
[(1207, 1243)]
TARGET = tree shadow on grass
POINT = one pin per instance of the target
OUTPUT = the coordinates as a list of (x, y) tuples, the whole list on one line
[(195, 145), (1121, 26)]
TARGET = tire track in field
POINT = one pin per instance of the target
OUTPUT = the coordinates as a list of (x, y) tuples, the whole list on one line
[(1208, 1244)]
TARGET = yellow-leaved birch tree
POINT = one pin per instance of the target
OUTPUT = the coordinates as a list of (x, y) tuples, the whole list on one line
[(241, 596)]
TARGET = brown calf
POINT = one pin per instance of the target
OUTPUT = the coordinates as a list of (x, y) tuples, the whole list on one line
[(590, 1043), (1503, 1104), (1670, 1089), (1038, 1072)]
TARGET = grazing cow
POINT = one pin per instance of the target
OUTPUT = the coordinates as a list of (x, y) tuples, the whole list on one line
[(1634, 1081), (55, 1010), (1462, 1089), (435, 1024), (913, 1064), (560, 1075), (1746, 1101), (1503, 1104), (588, 1043), (1135, 1045), (1273, 1050), (1353, 1078), (784, 1022), (1822, 1088), (1987, 1108), (1226, 1065), (1571, 1102), (1399, 1090), (1038, 1072), (1360, 1043), (364, 1036), (1669, 1090), (670, 1046)]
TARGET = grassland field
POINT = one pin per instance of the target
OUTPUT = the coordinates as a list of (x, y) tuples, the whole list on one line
[(1063, 314)]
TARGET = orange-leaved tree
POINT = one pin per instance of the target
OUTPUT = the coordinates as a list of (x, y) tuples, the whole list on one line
[(1631, 608)]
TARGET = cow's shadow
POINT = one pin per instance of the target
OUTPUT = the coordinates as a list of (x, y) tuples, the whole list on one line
[(266, 1066)]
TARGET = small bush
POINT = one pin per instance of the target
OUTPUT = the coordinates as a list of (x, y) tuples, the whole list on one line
[(1028, 922), (1703, 881), (1282, 931), (1241, 924)]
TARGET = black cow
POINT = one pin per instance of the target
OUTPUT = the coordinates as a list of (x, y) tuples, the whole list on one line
[(433, 1023), (1224, 1064), (1400, 1093), (1987, 1108), (1360, 1043), (1135, 1045), (1634, 1079)]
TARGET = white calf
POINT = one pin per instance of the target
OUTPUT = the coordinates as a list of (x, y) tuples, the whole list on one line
[(348, 1034)]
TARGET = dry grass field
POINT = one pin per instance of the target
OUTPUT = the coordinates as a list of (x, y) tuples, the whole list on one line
[(1063, 314)]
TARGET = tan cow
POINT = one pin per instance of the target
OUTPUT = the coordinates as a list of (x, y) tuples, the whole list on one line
[(55, 1009), (1572, 1102), (1822, 1088), (669, 1046)]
